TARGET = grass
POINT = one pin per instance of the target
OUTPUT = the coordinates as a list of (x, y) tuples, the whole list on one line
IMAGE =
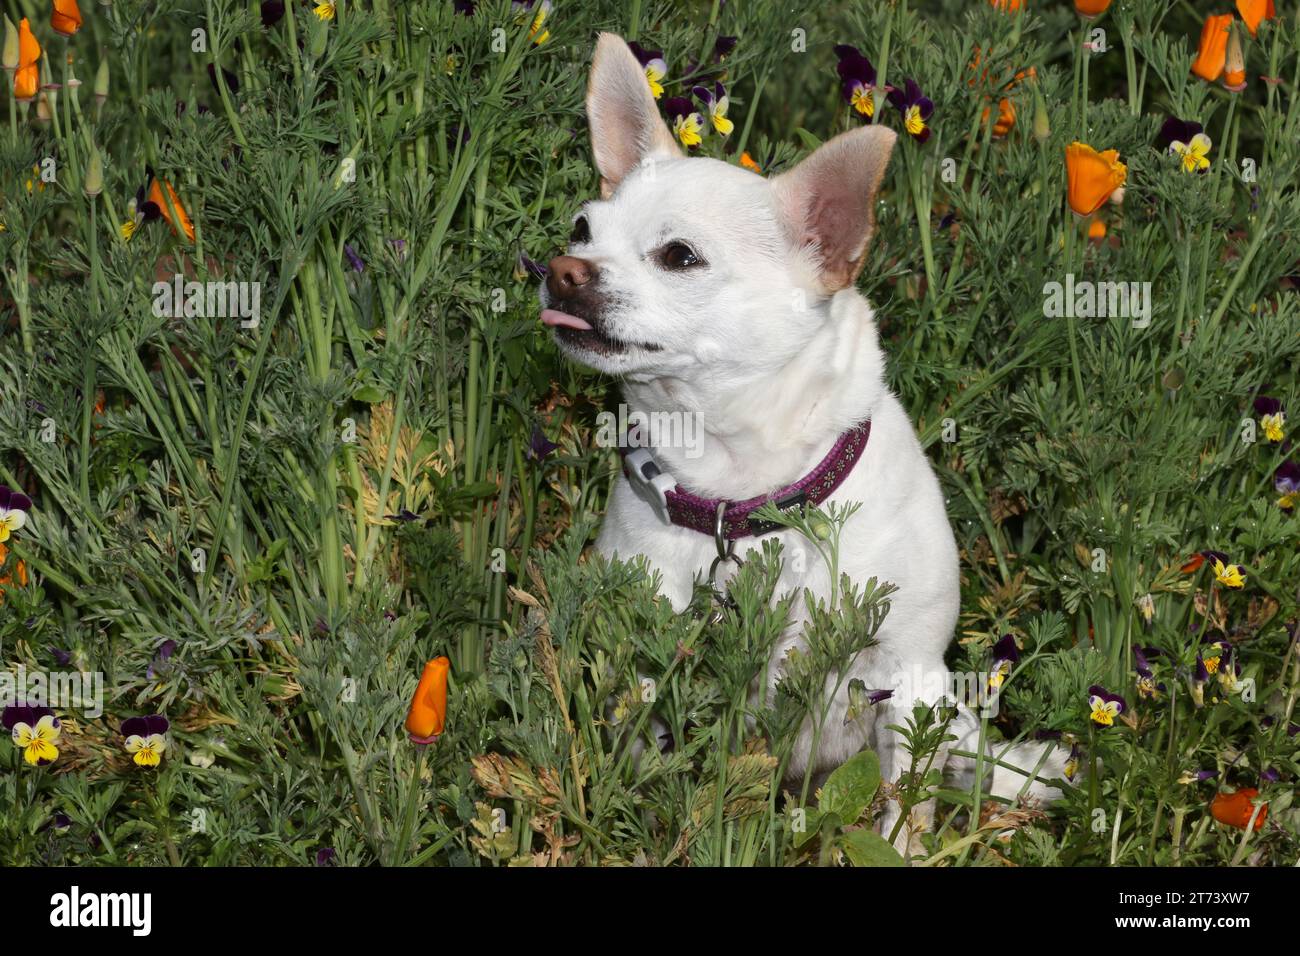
[(220, 519)]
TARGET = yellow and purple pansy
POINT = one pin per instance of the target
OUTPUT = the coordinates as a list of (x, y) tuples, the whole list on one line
[(14, 506), (1005, 656), (1272, 418), (652, 62), (146, 739), (857, 79), (1286, 481), (915, 109), (687, 124), (1103, 706), (1228, 574), (1071, 769), (1186, 139), (35, 731), (1200, 677), (715, 104), (1146, 682)]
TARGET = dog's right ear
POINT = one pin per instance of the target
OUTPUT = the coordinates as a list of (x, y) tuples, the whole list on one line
[(625, 123)]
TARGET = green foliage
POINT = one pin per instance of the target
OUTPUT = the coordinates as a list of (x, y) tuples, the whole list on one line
[(312, 506)]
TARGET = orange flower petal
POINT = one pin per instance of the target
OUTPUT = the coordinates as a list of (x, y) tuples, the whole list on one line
[(1253, 11), (1235, 809), (66, 18), (1092, 177), (1213, 50), (156, 197)]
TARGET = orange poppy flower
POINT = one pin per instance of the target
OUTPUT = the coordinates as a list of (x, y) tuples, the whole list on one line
[(1213, 49), (1090, 8), (66, 18), (1235, 809), (1007, 6), (1096, 229), (748, 162), (428, 713), (19, 571), (27, 78), (1253, 11), (156, 197), (1006, 120), (1092, 177)]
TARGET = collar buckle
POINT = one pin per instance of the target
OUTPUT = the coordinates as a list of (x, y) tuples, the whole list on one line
[(649, 481)]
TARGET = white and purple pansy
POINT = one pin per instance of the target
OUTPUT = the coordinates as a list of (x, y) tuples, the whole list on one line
[(146, 738), (1104, 706), (715, 103), (14, 506), (857, 79), (652, 62)]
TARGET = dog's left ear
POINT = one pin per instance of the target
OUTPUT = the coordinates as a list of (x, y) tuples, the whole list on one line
[(828, 201), (624, 120)]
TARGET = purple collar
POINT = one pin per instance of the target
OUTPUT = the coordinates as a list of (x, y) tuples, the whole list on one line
[(677, 506)]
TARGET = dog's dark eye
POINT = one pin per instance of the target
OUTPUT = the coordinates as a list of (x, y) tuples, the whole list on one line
[(581, 232), (678, 255)]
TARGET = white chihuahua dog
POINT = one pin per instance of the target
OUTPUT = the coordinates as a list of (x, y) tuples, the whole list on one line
[(722, 297)]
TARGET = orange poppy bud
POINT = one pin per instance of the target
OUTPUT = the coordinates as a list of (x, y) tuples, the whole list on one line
[(27, 78), (1096, 229), (1090, 8), (1213, 49), (1253, 11), (1234, 70), (1006, 120), (156, 197), (1235, 809), (66, 18), (1092, 177), (428, 713)]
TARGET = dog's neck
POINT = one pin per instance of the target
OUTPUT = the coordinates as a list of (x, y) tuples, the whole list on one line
[(759, 431)]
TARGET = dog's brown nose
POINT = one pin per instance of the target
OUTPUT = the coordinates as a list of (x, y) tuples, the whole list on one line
[(567, 273)]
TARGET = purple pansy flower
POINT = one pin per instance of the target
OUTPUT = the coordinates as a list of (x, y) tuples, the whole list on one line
[(354, 260), (35, 731), (1005, 656), (652, 63), (1104, 706), (146, 738), (857, 79), (1146, 682), (723, 45), (539, 446), (1177, 130), (1286, 480), (530, 268), (164, 654), (14, 506), (715, 104), (687, 124), (1271, 417), (272, 11), (325, 856), (915, 108)]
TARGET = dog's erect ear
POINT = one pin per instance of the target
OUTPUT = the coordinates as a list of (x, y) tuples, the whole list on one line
[(828, 201), (625, 123)]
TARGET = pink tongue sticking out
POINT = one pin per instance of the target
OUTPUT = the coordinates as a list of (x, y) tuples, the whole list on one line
[(557, 319)]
